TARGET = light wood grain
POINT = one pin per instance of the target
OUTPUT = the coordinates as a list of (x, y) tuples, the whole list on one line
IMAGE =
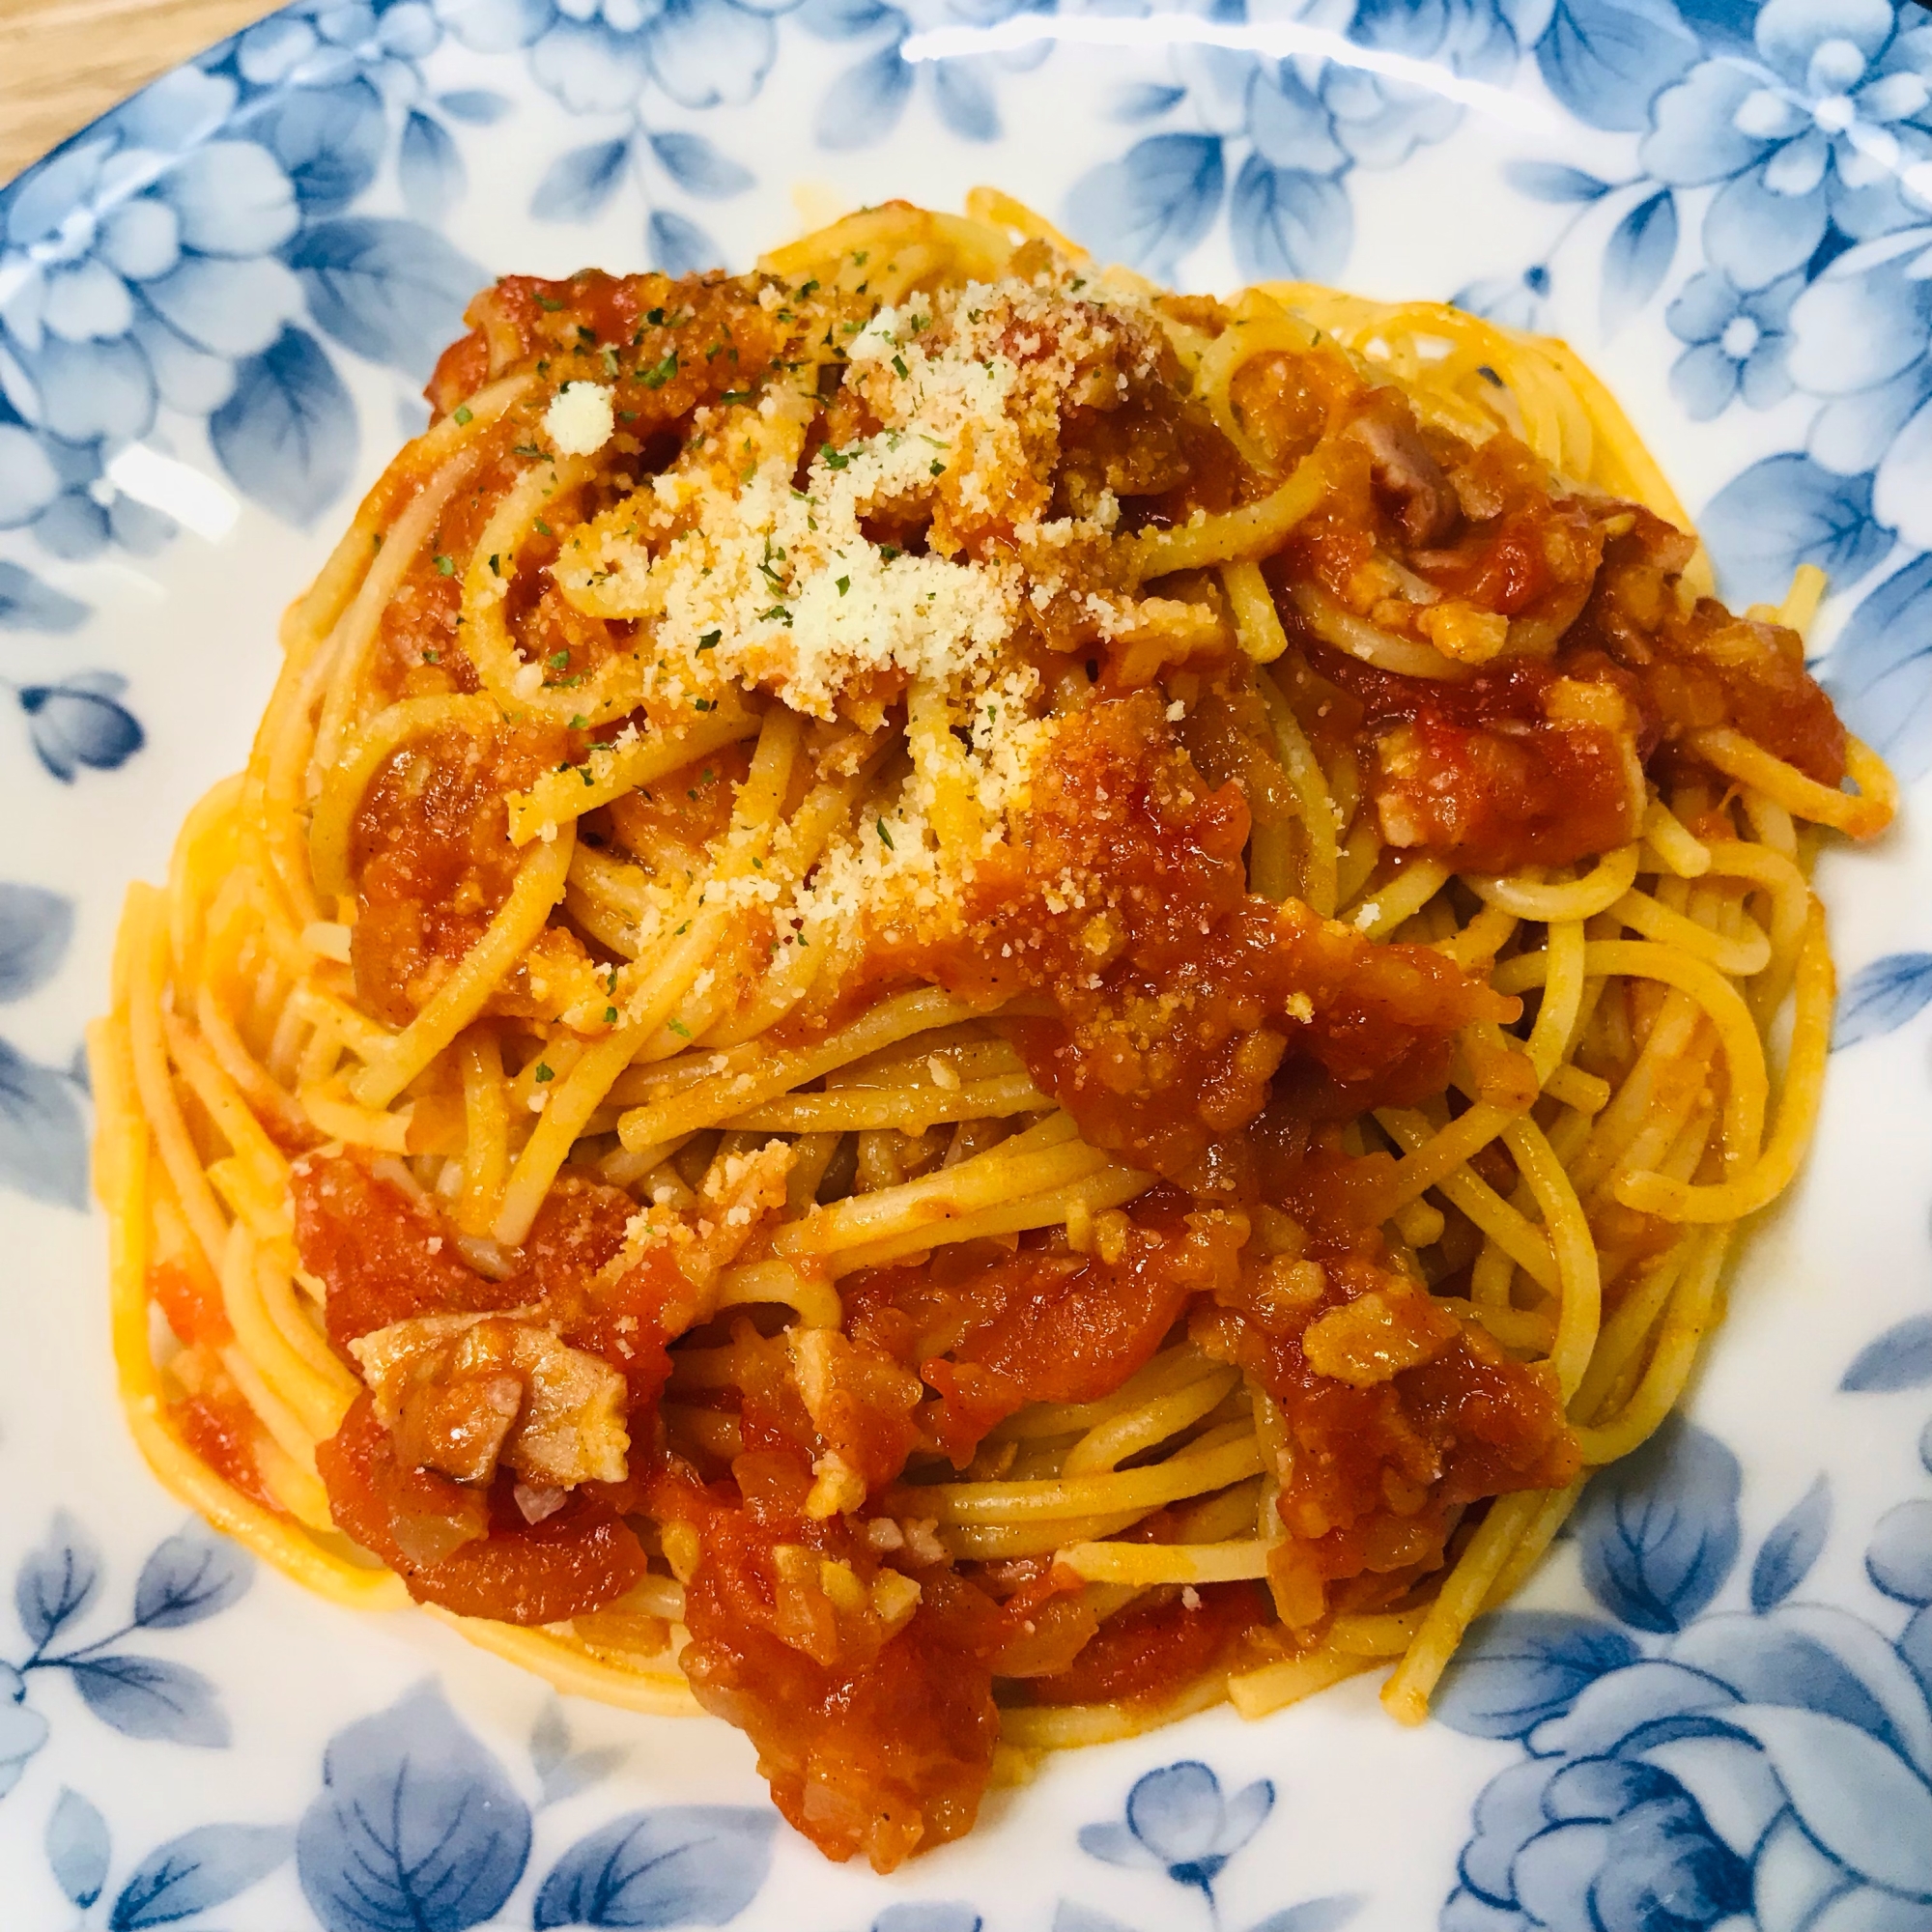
[(64, 61)]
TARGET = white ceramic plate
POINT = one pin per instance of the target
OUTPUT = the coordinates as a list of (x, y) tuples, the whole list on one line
[(217, 307)]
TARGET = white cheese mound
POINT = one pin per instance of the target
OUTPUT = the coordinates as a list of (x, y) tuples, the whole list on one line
[(752, 561), (740, 576), (580, 420)]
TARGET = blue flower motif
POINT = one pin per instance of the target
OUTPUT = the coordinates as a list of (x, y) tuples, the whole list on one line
[(1739, 343), (1828, 119), (868, 101), (1858, 338), (1754, 1763), (361, 68), (1305, 123), (598, 56), (1769, 1771), (324, 43), (137, 267), (1179, 1821)]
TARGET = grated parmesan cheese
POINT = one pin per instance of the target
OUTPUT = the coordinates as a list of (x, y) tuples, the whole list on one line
[(751, 562), (580, 420)]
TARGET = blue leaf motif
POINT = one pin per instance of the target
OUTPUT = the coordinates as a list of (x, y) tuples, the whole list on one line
[(77, 1847), (203, 1868), (699, 168), (143, 1698), (1638, 257), (1659, 1530), (42, 1132), (287, 435), (1788, 1552), (965, 99), (864, 105), (1313, 1915), (190, 1577), (1154, 204), (550, 1739), (1146, 100), (476, 106), (562, 1773), (428, 168), (580, 1772), (393, 291), (1552, 181), (1879, 673), (695, 1865), (1284, 223), (1915, 1646), (1520, 1667), (576, 184), (1881, 996), (35, 929), (1606, 60), (1901, 1358), (1719, 23), (80, 722), (678, 246), (949, 1917), (329, 139), (57, 1580), (26, 604), (417, 1829), (1788, 510)]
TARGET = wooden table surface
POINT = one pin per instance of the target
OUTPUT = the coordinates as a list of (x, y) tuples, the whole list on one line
[(62, 62)]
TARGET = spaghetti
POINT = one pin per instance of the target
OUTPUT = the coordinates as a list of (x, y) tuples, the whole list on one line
[(952, 1004)]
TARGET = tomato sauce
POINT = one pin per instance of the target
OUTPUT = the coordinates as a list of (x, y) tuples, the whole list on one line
[(381, 1254), (1527, 762), (190, 1297), (990, 1332), (876, 1739), (384, 1256), (432, 859), (1381, 1469), (220, 1429), (1182, 996), (1156, 1647)]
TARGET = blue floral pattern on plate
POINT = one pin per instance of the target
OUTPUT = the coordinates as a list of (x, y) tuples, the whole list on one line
[(190, 1577), (416, 1826), (1769, 1768), (192, 254), (224, 294), (1179, 1822), (1271, 142)]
